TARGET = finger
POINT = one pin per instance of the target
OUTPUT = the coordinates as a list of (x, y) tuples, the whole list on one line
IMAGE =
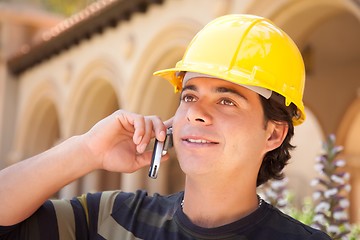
[(159, 128), (147, 135), (169, 122), (126, 119), (139, 126)]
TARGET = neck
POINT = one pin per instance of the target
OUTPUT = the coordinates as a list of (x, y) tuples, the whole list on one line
[(218, 203)]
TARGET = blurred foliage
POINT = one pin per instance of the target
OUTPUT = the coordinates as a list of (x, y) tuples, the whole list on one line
[(66, 7), (61, 7), (305, 213), (327, 209), (332, 192)]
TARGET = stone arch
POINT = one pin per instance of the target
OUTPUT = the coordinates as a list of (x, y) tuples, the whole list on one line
[(300, 18), (39, 126), (154, 95), (348, 124), (43, 130), (348, 136), (93, 97), (165, 49), (95, 101)]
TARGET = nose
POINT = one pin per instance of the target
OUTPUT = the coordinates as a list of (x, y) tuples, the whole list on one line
[(199, 113)]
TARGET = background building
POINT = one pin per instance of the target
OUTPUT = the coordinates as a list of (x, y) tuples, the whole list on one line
[(60, 76)]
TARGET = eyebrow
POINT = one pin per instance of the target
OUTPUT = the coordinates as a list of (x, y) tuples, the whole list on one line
[(217, 90), (230, 90), (189, 87)]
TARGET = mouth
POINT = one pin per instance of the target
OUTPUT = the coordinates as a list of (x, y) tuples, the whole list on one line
[(199, 141)]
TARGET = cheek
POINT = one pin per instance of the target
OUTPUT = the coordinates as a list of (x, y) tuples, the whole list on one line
[(179, 114), (178, 122), (245, 138), (179, 118)]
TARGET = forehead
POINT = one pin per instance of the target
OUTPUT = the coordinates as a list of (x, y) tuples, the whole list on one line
[(210, 82), (214, 84)]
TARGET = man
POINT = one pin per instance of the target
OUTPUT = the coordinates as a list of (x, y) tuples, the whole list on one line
[(242, 81)]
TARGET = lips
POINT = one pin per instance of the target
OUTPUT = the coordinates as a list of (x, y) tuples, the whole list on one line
[(199, 141), (197, 137)]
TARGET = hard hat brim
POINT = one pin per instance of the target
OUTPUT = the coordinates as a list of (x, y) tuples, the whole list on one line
[(175, 77)]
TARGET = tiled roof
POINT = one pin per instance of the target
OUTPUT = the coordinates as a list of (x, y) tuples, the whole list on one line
[(93, 19)]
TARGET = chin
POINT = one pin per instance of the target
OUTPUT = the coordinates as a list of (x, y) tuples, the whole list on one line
[(195, 165)]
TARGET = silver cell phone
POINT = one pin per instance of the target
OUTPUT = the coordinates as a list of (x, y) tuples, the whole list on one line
[(160, 149)]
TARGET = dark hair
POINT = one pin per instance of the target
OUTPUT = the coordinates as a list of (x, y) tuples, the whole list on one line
[(275, 160)]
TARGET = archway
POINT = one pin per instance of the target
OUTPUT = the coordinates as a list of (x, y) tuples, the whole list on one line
[(98, 101), (93, 98), (349, 137), (42, 130), (38, 127)]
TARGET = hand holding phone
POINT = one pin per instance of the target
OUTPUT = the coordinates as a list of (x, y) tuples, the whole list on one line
[(160, 149)]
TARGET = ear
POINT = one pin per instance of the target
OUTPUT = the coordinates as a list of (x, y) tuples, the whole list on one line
[(276, 132)]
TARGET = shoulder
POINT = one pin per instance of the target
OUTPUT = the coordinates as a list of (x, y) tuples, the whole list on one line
[(140, 200), (113, 202), (289, 226), (109, 202), (137, 213), (44, 221)]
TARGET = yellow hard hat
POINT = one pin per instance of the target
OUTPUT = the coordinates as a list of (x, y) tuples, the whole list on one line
[(247, 50)]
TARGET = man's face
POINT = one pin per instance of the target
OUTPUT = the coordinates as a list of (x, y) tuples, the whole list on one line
[(219, 128)]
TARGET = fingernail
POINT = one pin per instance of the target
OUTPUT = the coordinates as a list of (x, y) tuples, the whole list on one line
[(138, 140), (162, 135), (143, 147)]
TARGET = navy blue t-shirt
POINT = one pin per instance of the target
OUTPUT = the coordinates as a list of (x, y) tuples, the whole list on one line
[(121, 215)]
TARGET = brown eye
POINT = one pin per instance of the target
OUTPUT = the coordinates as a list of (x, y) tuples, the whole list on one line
[(227, 102), (188, 98)]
